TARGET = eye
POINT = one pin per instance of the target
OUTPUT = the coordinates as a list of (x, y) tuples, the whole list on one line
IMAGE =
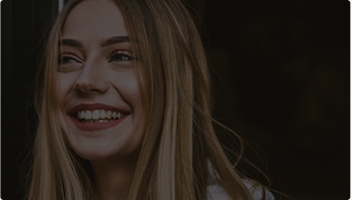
[(118, 56), (66, 59)]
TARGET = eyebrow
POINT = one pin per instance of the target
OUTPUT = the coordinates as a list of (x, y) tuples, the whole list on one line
[(104, 43), (70, 42), (114, 40)]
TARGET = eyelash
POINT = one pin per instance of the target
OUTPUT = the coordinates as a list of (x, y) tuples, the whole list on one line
[(117, 54), (61, 60)]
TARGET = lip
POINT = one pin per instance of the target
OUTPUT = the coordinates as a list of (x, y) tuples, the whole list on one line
[(89, 126)]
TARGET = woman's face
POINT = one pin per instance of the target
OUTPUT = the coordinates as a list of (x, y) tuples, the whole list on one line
[(99, 96)]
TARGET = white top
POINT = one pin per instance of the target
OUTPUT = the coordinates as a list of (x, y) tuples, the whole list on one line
[(216, 192)]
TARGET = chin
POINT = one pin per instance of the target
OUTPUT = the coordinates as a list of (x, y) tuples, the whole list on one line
[(102, 149)]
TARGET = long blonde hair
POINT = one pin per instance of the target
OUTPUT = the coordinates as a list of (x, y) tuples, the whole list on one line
[(179, 139)]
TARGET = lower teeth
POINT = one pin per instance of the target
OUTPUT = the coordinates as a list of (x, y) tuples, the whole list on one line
[(97, 121)]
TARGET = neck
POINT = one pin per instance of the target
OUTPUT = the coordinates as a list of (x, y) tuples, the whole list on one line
[(113, 178)]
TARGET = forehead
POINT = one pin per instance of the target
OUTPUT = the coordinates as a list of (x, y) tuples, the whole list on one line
[(94, 19)]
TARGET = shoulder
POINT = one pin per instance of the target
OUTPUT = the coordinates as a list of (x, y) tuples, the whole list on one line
[(216, 192), (257, 192)]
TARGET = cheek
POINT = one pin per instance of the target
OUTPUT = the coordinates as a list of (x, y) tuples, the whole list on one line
[(63, 85), (132, 88), (128, 86)]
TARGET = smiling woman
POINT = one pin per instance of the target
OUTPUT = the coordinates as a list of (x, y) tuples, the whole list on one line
[(124, 109), (97, 88)]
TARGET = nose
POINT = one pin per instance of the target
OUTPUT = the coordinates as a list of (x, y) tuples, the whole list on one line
[(92, 80)]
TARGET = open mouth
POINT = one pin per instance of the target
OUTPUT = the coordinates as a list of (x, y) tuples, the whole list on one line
[(95, 120), (94, 117)]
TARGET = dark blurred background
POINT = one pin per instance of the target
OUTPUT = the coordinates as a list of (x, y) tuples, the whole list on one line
[(281, 77)]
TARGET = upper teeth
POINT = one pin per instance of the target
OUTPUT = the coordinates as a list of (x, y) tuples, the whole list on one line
[(98, 114)]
